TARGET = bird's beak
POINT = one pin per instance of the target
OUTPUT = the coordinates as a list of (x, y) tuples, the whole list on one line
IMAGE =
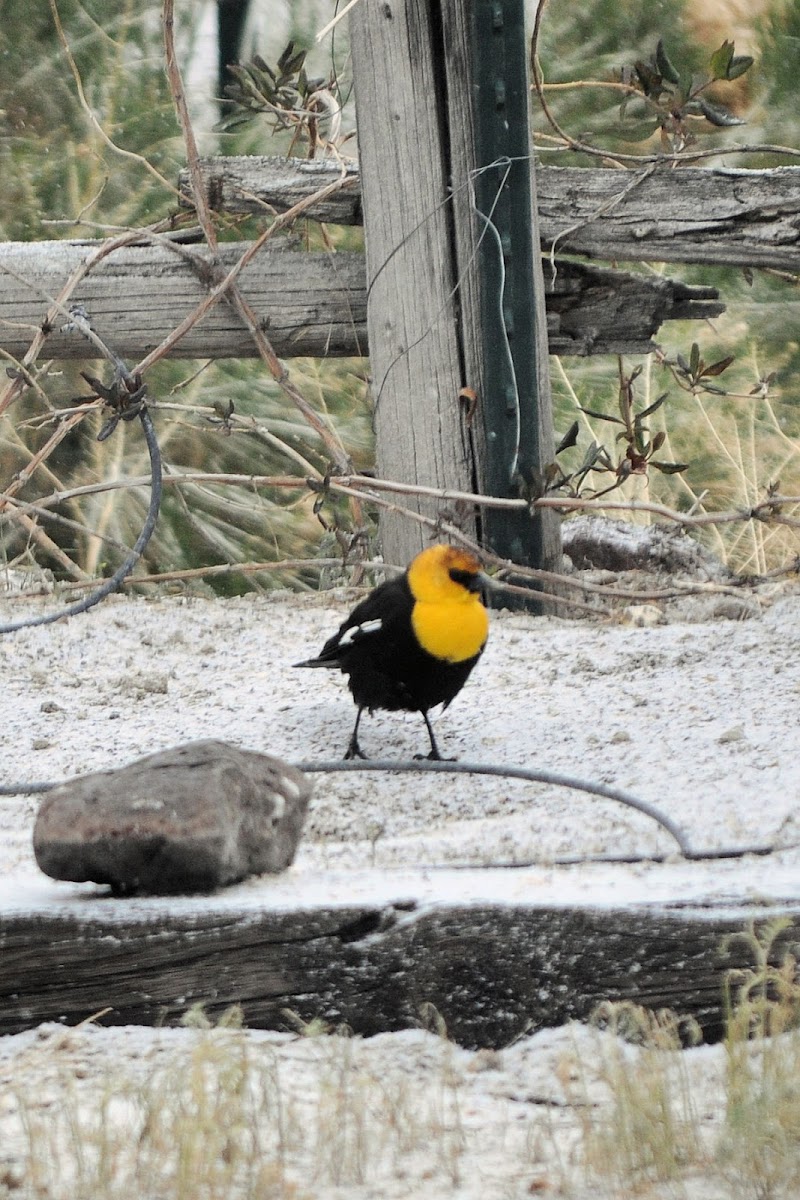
[(484, 582)]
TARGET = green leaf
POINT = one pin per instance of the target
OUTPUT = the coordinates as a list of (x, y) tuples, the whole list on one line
[(718, 367), (259, 62), (717, 115), (651, 408), (294, 64), (721, 60), (590, 412), (590, 458), (569, 438), (694, 359), (658, 441), (287, 54), (668, 71), (552, 474), (648, 78), (262, 78), (739, 65), (667, 468)]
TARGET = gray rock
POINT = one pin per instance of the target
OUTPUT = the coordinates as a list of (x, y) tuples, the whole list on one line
[(188, 819)]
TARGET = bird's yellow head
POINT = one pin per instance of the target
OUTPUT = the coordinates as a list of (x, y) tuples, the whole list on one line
[(444, 574), (449, 616)]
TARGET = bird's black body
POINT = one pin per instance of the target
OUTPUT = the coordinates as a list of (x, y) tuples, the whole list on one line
[(379, 649), (387, 667)]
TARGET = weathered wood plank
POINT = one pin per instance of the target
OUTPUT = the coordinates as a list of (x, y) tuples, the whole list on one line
[(719, 216), (421, 432), (491, 971), (311, 304), (262, 184), (590, 307), (734, 217)]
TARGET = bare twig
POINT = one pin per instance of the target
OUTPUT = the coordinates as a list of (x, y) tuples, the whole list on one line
[(179, 100), (227, 284), (221, 569), (281, 376), (48, 545), (113, 582), (23, 508), (58, 309), (326, 29), (764, 510), (174, 478), (87, 108), (368, 490), (43, 453)]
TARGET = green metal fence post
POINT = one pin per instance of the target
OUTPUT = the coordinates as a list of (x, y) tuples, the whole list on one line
[(514, 330)]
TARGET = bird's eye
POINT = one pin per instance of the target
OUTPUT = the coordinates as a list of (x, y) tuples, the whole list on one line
[(467, 579)]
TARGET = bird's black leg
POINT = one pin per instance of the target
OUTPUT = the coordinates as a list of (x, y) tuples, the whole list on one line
[(353, 748), (434, 754)]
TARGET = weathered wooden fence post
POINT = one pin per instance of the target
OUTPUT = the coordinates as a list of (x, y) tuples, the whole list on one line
[(431, 302)]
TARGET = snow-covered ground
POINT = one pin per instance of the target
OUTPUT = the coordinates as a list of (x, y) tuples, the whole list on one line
[(697, 718)]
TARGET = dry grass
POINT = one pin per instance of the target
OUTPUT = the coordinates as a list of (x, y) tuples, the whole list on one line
[(737, 447), (226, 1115), (222, 1114), (652, 1131)]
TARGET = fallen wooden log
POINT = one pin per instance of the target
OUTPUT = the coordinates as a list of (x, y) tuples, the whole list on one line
[(491, 971)]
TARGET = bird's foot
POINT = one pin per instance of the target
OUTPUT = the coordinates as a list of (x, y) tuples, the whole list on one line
[(355, 751), (433, 756)]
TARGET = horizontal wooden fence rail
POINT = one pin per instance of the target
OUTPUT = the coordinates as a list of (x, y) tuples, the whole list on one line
[(735, 217), (309, 303), (315, 303)]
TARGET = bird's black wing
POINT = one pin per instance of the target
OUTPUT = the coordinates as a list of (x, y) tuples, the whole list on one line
[(377, 616)]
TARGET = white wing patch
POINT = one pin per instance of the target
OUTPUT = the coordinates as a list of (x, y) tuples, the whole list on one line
[(359, 631)]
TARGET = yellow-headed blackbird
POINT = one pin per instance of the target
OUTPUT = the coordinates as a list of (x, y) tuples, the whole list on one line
[(413, 641)]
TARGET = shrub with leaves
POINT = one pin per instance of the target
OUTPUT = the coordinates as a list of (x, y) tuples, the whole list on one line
[(285, 95), (673, 99)]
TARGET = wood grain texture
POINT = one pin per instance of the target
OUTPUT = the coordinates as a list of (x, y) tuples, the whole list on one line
[(731, 217), (493, 972), (714, 216), (312, 304), (249, 183), (421, 433), (309, 303)]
